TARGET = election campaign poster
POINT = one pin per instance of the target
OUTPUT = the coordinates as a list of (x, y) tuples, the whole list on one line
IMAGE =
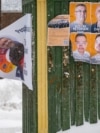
[(80, 16), (95, 17), (81, 46), (15, 51), (85, 31), (95, 49), (58, 31)]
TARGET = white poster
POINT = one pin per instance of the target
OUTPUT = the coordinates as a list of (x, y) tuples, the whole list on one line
[(15, 51)]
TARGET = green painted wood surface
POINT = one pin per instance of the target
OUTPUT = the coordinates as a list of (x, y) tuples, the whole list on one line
[(86, 70), (65, 120), (98, 85), (54, 89), (58, 74), (72, 89), (61, 114), (93, 94), (61, 108), (79, 93), (30, 97)]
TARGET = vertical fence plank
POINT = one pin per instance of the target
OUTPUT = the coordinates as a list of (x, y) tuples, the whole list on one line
[(93, 94), (66, 80), (32, 112), (86, 73), (98, 76), (79, 93), (54, 8), (72, 88), (54, 86), (58, 73), (51, 91), (51, 78), (65, 91), (25, 109), (30, 97), (29, 111)]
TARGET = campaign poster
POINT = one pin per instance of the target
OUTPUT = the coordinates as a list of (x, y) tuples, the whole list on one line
[(58, 31), (15, 51), (81, 46), (95, 49), (80, 16), (95, 17)]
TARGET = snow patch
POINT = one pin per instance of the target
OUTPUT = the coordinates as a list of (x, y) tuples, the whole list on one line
[(86, 128), (10, 106)]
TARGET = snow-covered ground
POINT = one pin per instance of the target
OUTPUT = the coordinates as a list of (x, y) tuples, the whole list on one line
[(10, 121), (10, 106), (86, 128)]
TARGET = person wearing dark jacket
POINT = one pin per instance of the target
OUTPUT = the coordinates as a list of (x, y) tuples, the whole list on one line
[(95, 28)]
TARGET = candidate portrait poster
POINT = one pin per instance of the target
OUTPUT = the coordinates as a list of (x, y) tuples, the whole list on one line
[(80, 16), (95, 17), (81, 46), (15, 51), (85, 43), (95, 49)]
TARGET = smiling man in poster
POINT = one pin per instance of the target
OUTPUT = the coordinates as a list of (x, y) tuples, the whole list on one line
[(78, 17)]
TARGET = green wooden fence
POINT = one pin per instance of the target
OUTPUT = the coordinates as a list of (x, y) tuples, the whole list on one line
[(74, 87), (30, 97)]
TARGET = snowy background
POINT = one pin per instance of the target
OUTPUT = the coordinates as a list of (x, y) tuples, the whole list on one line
[(86, 128), (10, 106), (11, 110)]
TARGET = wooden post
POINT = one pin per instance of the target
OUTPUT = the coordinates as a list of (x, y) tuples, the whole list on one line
[(42, 67)]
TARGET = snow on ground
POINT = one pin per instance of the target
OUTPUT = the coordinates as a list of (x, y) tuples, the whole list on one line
[(11, 121), (10, 115), (10, 106), (86, 128)]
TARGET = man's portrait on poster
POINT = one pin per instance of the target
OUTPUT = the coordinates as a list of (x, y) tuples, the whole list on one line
[(80, 54), (79, 24), (95, 28), (96, 58)]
